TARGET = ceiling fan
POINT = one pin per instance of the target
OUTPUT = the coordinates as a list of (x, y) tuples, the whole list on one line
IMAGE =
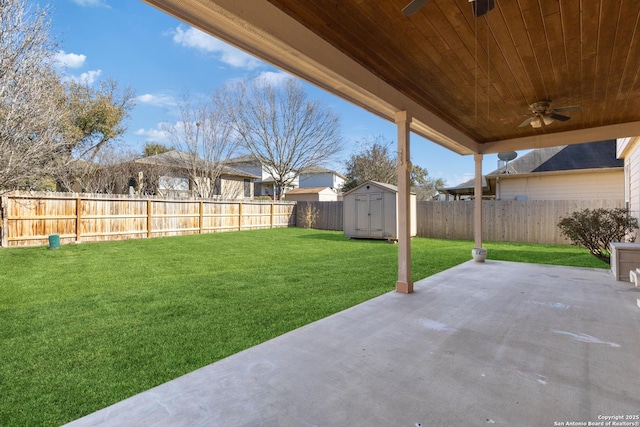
[(480, 7), (544, 114)]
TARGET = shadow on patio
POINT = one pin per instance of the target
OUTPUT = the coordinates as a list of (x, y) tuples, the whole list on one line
[(494, 343)]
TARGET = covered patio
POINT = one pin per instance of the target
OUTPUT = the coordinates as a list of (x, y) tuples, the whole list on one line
[(481, 343), (494, 343), (527, 74)]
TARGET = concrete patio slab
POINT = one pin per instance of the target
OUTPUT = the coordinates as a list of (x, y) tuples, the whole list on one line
[(482, 343)]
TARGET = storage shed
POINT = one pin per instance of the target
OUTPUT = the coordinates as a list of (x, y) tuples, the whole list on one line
[(317, 194), (371, 212)]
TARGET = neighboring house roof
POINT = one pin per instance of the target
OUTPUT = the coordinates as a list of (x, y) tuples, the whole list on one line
[(248, 159), (314, 190), (589, 155), (178, 159), (464, 189), (317, 170)]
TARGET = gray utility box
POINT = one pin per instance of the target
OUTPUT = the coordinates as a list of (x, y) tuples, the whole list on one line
[(624, 258), (370, 211)]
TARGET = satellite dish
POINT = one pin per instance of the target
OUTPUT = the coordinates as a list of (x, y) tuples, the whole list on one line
[(507, 156)]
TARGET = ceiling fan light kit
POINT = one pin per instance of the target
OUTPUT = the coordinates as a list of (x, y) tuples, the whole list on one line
[(544, 114), (536, 122), (480, 7)]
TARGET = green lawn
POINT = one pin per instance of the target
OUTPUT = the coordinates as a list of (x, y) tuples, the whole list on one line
[(88, 325)]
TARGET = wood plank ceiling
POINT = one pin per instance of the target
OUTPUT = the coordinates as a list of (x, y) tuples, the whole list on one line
[(468, 80), (480, 74)]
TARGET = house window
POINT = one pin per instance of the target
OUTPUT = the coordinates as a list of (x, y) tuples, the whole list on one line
[(217, 187), (174, 183), (247, 188)]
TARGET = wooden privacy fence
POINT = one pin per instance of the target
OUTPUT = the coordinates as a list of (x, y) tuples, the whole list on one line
[(28, 220), (530, 221), (329, 215)]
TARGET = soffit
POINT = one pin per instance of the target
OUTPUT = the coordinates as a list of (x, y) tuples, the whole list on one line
[(467, 82)]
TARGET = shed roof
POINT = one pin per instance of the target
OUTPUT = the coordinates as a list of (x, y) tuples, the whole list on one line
[(313, 190), (381, 185)]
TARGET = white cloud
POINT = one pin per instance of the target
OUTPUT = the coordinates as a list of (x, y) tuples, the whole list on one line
[(91, 3), (157, 100), (153, 135), (196, 39), (69, 60), (86, 78), (452, 179), (273, 77)]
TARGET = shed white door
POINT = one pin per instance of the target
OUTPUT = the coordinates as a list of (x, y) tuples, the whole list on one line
[(369, 218)]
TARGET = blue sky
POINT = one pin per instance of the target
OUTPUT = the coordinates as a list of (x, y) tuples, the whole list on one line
[(162, 59)]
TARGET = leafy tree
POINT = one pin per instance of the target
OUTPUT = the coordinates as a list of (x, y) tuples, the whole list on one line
[(30, 89), (282, 128), (95, 116), (374, 161), (595, 229), (152, 148)]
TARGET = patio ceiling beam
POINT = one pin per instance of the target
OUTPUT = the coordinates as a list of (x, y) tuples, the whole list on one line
[(579, 136)]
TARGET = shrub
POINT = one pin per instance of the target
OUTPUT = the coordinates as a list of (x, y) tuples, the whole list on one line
[(595, 229), (309, 214)]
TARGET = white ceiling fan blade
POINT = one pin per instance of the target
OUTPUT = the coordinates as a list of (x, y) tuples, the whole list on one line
[(414, 6), (527, 122)]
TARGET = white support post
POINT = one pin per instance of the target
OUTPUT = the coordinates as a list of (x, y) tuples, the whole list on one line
[(478, 253), (404, 283)]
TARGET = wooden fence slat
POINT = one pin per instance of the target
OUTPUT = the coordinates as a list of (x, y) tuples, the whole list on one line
[(4, 225), (149, 220), (78, 219)]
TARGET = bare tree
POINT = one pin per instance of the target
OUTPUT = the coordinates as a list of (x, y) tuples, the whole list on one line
[(31, 144), (282, 128), (204, 140), (108, 173)]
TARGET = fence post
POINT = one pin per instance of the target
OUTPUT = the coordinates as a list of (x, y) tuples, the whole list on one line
[(272, 206), (239, 216), (4, 214), (201, 215), (149, 221), (78, 219)]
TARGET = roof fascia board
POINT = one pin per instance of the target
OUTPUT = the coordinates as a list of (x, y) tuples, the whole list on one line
[(580, 136), (560, 172)]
